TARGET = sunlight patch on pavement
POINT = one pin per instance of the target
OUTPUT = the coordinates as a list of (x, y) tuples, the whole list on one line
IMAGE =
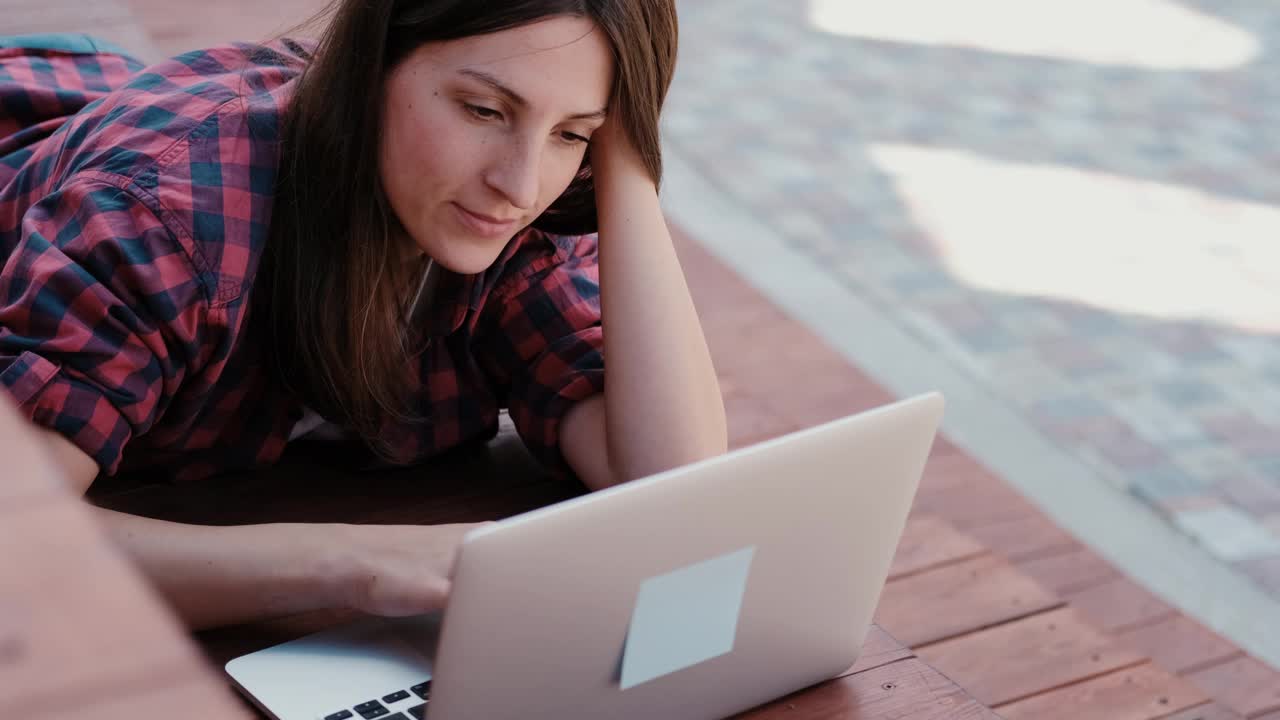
[(1158, 34), (1113, 243)]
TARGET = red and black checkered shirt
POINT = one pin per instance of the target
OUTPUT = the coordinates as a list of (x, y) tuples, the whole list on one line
[(134, 206)]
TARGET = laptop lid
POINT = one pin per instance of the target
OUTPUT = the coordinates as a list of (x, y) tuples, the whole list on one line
[(695, 593)]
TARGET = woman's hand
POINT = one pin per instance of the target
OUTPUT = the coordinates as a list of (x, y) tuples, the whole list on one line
[(396, 570)]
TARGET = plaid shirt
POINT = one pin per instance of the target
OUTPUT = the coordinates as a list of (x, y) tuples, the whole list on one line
[(134, 205)]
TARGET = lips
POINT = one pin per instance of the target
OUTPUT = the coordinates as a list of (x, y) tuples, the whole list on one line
[(483, 225)]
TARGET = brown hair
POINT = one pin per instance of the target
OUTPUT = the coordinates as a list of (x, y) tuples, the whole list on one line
[(330, 300)]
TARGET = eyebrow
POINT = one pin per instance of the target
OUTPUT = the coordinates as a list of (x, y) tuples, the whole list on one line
[(518, 100)]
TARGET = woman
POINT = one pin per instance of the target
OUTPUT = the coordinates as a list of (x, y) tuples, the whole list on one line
[(385, 239)]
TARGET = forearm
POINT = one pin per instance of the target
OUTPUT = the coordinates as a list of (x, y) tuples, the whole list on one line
[(223, 575), (662, 400)]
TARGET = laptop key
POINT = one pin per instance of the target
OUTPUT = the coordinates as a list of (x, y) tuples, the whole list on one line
[(371, 709), (397, 716), (423, 691), (396, 696), (340, 715), (419, 712)]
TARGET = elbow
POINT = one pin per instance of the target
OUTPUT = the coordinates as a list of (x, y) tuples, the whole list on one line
[(666, 448), (712, 441), (688, 452)]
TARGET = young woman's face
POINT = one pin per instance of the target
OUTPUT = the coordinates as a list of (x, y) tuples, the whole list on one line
[(482, 134)]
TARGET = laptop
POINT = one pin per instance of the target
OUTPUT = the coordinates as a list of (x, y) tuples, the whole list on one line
[(695, 593)]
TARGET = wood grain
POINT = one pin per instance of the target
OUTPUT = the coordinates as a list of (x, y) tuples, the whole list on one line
[(967, 495), (959, 598), (1029, 656), (930, 542), (905, 689), (1024, 538), (1180, 644), (1071, 571), (1207, 711), (1144, 692), (1244, 685), (880, 648), (1119, 604)]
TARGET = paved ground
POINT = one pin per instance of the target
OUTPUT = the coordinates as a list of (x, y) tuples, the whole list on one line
[(1083, 218)]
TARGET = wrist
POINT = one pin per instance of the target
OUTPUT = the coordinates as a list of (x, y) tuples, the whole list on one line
[(328, 567)]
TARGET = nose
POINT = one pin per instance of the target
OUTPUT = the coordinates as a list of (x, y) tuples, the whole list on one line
[(514, 174)]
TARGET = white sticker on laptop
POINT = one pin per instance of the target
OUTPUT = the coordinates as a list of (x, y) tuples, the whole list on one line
[(685, 617)]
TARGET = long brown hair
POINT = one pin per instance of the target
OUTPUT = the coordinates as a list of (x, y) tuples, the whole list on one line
[(330, 300)]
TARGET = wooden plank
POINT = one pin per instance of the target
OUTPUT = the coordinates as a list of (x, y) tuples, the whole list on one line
[(928, 542), (1119, 604), (750, 420), (880, 648), (728, 307), (828, 389), (967, 509), (944, 445), (904, 689), (1023, 658), (1179, 644), (966, 494), (1244, 685), (1208, 711), (1024, 538), (1070, 571), (960, 471), (959, 598), (826, 386), (1143, 692), (822, 385)]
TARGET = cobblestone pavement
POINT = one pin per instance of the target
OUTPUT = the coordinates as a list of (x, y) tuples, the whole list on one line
[(1079, 206)]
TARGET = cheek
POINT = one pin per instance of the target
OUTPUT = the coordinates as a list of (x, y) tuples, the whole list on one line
[(418, 161)]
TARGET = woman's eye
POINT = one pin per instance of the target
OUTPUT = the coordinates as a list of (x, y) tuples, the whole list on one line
[(483, 112), (573, 138)]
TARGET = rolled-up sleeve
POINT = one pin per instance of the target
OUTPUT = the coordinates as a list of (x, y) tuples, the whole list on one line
[(542, 344), (100, 317)]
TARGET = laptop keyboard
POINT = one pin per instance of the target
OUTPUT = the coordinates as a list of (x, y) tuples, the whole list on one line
[(373, 709)]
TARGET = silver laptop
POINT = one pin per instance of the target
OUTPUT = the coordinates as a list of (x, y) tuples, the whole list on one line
[(695, 593)]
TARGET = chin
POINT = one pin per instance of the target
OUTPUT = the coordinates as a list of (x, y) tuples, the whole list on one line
[(465, 257)]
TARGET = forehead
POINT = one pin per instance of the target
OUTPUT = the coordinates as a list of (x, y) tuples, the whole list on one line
[(563, 62)]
